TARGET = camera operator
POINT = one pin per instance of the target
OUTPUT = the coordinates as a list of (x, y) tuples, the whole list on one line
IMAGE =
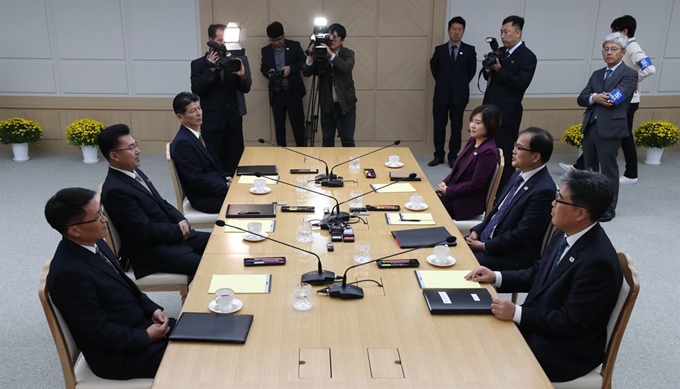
[(509, 77), (220, 83), (337, 96), (282, 62)]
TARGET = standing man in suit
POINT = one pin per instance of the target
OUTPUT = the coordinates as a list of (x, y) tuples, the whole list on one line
[(511, 235), (607, 96), (508, 79), (453, 66), (572, 289), (204, 183), (223, 101), (121, 333), (154, 235), (282, 62)]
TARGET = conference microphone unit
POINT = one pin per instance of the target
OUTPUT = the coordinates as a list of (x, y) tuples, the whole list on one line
[(350, 292), (337, 182), (317, 178), (318, 277)]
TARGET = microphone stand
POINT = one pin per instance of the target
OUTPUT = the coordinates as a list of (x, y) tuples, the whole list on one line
[(410, 177), (317, 178), (337, 182)]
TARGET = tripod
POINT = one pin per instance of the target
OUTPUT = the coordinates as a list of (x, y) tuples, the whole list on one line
[(313, 107)]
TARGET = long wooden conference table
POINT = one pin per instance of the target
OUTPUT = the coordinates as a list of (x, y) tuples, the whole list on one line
[(388, 339)]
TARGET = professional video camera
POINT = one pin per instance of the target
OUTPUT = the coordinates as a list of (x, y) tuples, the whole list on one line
[(496, 53), (276, 79), (320, 36), (225, 59)]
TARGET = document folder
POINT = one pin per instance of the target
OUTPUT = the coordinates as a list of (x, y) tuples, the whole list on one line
[(251, 210), (403, 175), (458, 300), (428, 237), (211, 327), (250, 170)]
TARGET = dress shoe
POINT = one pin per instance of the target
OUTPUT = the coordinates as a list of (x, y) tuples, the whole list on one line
[(566, 167), (435, 162), (627, 181), (608, 216)]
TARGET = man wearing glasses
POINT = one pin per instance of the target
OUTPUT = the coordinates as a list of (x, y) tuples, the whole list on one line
[(572, 289), (511, 235), (155, 236)]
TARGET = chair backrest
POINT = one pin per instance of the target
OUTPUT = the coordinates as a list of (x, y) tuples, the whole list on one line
[(179, 192), (496, 181), (67, 349), (112, 237), (549, 232)]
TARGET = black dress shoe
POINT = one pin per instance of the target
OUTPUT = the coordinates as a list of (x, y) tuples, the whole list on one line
[(436, 161), (608, 216)]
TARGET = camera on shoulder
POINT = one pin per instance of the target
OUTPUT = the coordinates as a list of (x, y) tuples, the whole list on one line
[(225, 59)]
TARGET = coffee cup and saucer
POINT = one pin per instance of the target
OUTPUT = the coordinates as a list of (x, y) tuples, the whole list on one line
[(255, 233), (225, 302), (416, 203), (260, 186), (441, 257), (394, 162)]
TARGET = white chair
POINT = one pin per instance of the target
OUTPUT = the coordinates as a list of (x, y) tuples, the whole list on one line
[(464, 226), (197, 219), (77, 373), (601, 377)]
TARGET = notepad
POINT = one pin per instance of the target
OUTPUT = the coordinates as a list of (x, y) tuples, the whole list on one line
[(395, 188), (441, 279), (409, 218), (241, 283), (251, 179), (267, 225)]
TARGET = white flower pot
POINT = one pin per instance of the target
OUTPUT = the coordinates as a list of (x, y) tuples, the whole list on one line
[(653, 156), (580, 152), (20, 151), (89, 154)]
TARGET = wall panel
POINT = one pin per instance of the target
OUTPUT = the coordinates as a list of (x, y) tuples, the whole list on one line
[(15, 16), (103, 77), (151, 77), (24, 76)]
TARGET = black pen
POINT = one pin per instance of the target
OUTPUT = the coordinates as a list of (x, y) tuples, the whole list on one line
[(248, 212), (401, 217)]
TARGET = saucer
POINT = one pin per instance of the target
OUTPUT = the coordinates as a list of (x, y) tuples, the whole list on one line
[(398, 164), (233, 307), (450, 261), (254, 238), (410, 207), (265, 191)]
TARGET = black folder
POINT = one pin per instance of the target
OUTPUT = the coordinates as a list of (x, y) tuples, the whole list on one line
[(428, 237), (250, 170), (211, 327), (477, 300), (397, 175), (251, 210)]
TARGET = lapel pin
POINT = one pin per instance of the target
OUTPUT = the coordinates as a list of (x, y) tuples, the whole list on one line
[(512, 62), (460, 53), (526, 188), (571, 259)]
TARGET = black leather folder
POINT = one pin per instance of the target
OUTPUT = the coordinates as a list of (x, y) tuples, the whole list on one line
[(211, 327), (397, 175), (428, 237), (250, 170), (251, 210), (454, 301)]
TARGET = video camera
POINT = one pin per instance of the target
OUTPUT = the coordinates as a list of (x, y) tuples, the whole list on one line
[(320, 36), (496, 53), (226, 60)]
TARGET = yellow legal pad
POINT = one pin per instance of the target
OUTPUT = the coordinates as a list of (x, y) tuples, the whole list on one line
[(395, 188), (241, 283), (442, 279), (251, 180), (399, 218), (267, 224)]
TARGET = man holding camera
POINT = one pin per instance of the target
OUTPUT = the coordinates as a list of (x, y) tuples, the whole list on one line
[(282, 62), (220, 82), (509, 77), (337, 96)]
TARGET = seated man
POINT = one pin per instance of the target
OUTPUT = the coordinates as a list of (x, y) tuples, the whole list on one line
[(154, 235), (511, 235), (572, 289), (199, 171), (121, 333)]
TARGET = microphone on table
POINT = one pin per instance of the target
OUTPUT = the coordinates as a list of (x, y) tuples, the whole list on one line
[(337, 181), (348, 292), (318, 277), (317, 178)]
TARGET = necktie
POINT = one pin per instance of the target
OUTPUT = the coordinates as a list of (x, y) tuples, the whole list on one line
[(103, 257), (139, 179), (200, 139), (452, 56), (608, 73), (558, 255), (507, 54), (486, 233)]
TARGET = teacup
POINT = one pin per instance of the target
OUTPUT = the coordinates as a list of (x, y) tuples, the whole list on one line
[(224, 297), (441, 254), (255, 228), (416, 201), (394, 160), (260, 184)]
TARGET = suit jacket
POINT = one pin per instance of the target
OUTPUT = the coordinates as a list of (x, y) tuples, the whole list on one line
[(611, 121), (338, 76), (452, 82), (468, 192), (295, 57), (199, 172), (518, 236), (565, 315), (104, 309)]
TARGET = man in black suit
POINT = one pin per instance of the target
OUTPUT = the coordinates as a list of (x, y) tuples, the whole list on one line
[(511, 235), (204, 183), (223, 102), (572, 289), (453, 66), (509, 78), (121, 333), (154, 235), (282, 62)]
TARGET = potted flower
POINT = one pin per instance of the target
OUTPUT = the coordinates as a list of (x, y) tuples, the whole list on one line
[(574, 137), (19, 132), (84, 133), (656, 135)]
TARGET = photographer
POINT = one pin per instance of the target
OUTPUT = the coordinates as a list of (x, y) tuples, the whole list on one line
[(509, 77), (220, 82), (282, 62), (337, 96)]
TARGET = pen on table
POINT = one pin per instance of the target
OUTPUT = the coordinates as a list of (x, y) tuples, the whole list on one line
[(248, 212), (401, 217)]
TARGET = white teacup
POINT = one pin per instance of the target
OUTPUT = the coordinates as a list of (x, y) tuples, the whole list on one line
[(255, 228), (260, 184), (441, 254), (394, 159), (416, 201), (224, 297)]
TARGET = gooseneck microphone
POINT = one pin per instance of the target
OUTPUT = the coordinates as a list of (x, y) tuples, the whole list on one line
[(349, 292), (318, 277), (374, 190), (337, 181), (317, 178)]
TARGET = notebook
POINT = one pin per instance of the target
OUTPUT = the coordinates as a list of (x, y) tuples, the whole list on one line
[(251, 210), (440, 279), (241, 283), (404, 218), (458, 300), (249, 170), (394, 188), (211, 327), (428, 237)]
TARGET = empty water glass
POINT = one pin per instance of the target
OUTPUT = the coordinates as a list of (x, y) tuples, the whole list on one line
[(304, 233), (358, 202), (362, 252), (302, 184), (354, 163), (302, 297)]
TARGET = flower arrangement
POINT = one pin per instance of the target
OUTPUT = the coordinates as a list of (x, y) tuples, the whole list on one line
[(573, 136), (20, 130), (84, 132), (656, 134)]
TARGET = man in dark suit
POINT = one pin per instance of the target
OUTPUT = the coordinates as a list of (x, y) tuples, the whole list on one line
[(204, 183), (154, 235), (607, 97), (511, 235), (221, 94), (121, 333), (572, 289), (282, 62), (453, 66), (509, 78)]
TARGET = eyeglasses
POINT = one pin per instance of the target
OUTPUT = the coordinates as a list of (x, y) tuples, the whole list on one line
[(100, 215), (610, 49), (132, 147), (558, 196), (519, 147)]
